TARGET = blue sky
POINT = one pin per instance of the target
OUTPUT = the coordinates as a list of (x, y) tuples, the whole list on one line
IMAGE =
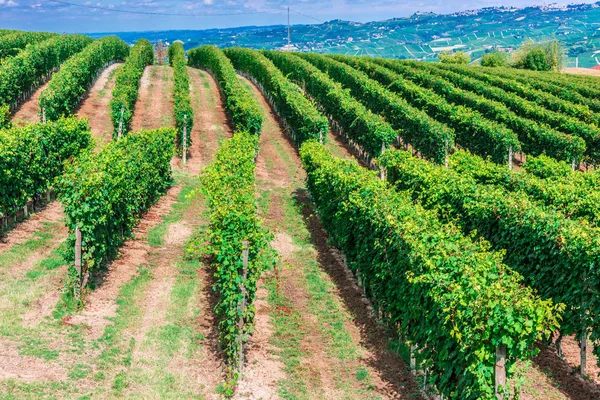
[(204, 14)]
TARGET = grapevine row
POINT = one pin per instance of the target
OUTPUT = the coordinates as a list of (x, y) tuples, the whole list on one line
[(575, 201), (28, 69), (583, 85), (67, 87), (535, 138), (104, 194), (360, 125), (229, 186), (449, 295), (432, 139), (286, 97), (570, 92), (544, 99), (473, 131), (184, 114), (524, 108), (242, 107), (127, 83), (12, 44), (32, 156), (557, 256)]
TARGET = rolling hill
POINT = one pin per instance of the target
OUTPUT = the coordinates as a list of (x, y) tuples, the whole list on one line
[(420, 36)]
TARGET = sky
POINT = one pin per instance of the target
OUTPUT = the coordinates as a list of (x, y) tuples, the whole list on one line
[(58, 16)]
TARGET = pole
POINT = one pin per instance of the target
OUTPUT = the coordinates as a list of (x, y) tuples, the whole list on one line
[(381, 169), (120, 124), (413, 360), (78, 251), (446, 155), (583, 353), (500, 371), (289, 30), (510, 158), (185, 139), (242, 305)]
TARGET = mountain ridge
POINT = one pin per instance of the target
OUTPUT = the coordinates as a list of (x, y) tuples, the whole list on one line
[(421, 35)]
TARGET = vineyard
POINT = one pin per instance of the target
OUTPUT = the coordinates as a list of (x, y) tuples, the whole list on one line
[(273, 225)]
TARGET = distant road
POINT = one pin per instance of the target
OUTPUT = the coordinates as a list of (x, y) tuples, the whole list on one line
[(582, 71)]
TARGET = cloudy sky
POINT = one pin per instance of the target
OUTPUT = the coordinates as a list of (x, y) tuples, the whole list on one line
[(66, 16)]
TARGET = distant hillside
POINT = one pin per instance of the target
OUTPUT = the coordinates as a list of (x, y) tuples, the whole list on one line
[(419, 36)]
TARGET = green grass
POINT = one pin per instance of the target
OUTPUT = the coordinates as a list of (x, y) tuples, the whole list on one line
[(116, 351), (120, 383), (287, 337), (79, 371), (17, 296), (186, 197), (179, 333), (20, 252), (17, 389)]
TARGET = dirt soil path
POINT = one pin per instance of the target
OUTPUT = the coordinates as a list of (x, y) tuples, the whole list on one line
[(581, 71), (95, 105), (339, 351), (24, 231), (29, 112), (210, 119), (154, 106)]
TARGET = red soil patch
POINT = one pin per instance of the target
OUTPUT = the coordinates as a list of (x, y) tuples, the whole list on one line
[(95, 106), (29, 112), (154, 106)]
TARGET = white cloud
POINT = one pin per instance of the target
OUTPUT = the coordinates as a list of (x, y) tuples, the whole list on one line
[(8, 3)]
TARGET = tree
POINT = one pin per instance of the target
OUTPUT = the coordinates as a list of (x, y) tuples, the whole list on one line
[(495, 58), (536, 60), (459, 57), (555, 54), (539, 56)]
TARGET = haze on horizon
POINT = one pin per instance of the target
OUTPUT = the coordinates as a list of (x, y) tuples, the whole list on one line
[(48, 15)]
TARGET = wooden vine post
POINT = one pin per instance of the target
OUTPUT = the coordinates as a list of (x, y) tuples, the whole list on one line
[(583, 338), (242, 306), (447, 150), (500, 371), (185, 139), (120, 132), (510, 158), (413, 359), (583, 353), (78, 252), (381, 169), (44, 115), (559, 350)]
